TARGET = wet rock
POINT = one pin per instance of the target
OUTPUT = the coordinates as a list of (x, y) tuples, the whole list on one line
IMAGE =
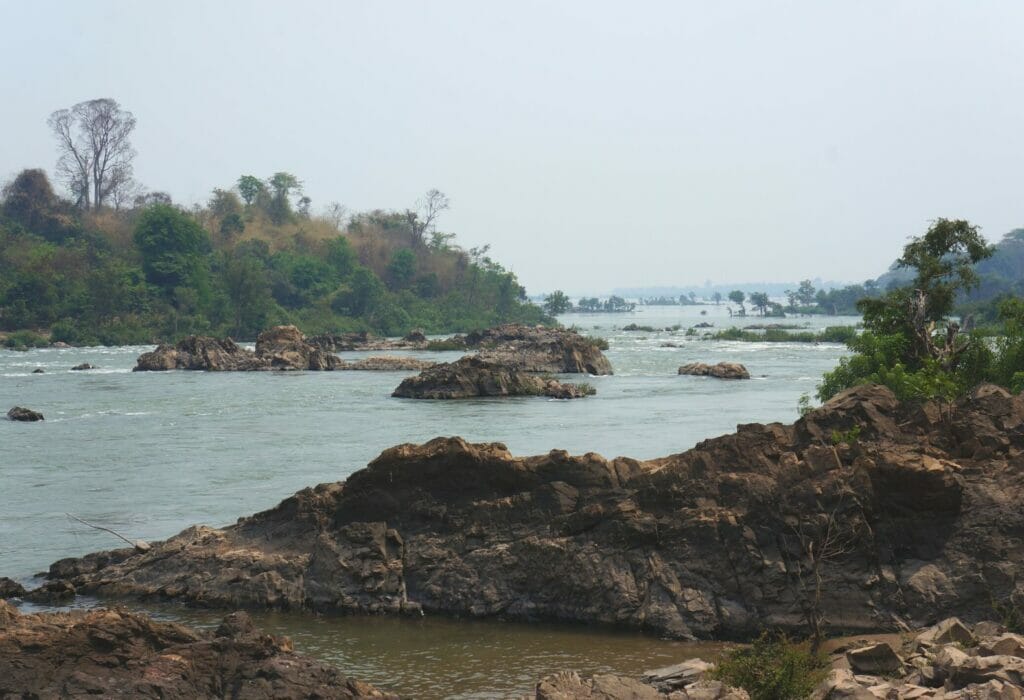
[(20, 413), (722, 370), (472, 376), (877, 659), (698, 544), (10, 588), (38, 370), (83, 366), (114, 653), (388, 364), (678, 675)]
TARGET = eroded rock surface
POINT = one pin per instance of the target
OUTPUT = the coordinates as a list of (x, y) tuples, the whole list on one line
[(722, 370), (712, 542), (473, 376), (118, 654), (281, 347), (388, 363), (540, 349)]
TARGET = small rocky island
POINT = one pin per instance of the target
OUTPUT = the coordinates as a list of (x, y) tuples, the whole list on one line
[(722, 370), (473, 376)]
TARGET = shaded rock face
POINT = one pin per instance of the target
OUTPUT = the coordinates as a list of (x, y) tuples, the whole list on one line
[(112, 653), (712, 542), (281, 347), (723, 370), (473, 376), (20, 413), (540, 349)]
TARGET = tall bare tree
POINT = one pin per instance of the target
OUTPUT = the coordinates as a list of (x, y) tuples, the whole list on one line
[(95, 150), (424, 218)]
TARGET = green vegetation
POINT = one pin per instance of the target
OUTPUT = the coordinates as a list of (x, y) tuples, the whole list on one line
[(773, 668), (23, 340), (613, 304), (911, 344), (831, 334), (253, 256)]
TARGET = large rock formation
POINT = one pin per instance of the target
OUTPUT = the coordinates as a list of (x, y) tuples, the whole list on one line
[(281, 347), (118, 654), (921, 505), (722, 370), (472, 376), (540, 349)]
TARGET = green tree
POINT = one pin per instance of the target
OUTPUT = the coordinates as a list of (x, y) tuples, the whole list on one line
[(717, 298), (759, 300), (737, 297), (282, 184), (244, 278), (250, 187), (909, 342), (805, 293), (173, 248), (557, 303), (401, 268)]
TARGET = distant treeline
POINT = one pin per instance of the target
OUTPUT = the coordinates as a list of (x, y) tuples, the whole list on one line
[(252, 256)]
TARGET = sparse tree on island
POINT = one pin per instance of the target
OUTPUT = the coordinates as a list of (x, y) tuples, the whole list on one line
[(96, 153), (759, 300), (737, 297), (423, 219), (717, 298), (805, 293), (557, 303), (251, 188)]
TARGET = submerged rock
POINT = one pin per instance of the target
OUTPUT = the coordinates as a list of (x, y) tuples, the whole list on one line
[(723, 370), (20, 413), (388, 363), (472, 376), (709, 543), (115, 653)]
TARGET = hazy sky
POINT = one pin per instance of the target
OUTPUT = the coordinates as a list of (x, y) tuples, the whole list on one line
[(594, 145)]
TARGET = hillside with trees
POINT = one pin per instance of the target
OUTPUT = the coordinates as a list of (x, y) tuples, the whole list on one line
[(115, 264)]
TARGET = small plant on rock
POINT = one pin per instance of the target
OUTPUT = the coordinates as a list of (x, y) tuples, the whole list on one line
[(772, 668)]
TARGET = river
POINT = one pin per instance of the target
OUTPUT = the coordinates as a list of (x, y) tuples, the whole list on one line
[(149, 454)]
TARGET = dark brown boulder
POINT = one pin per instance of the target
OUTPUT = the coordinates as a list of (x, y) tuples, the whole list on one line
[(118, 654), (285, 347), (10, 588), (723, 370), (472, 376), (20, 413), (83, 366)]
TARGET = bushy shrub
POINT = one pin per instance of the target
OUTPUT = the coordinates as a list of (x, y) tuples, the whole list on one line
[(772, 668), (23, 340)]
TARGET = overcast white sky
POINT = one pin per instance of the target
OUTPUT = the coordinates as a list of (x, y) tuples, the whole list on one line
[(593, 144)]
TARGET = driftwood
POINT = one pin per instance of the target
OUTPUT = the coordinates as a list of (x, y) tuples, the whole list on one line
[(140, 545)]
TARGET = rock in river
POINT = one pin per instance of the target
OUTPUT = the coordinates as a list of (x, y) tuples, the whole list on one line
[(279, 348), (20, 413), (473, 376), (723, 370), (705, 543), (541, 349), (388, 363)]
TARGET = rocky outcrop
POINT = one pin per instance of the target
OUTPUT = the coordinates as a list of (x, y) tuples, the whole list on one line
[(472, 376), (20, 413), (280, 348), (986, 664), (83, 366), (540, 349), (723, 370), (714, 542), (285, 347), (388, 363), (118, 654)]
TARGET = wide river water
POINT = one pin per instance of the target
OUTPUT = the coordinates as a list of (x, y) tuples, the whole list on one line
[(149, 454)]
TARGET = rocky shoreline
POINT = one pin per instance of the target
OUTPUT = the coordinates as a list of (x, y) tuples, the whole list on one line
[(716, 542)]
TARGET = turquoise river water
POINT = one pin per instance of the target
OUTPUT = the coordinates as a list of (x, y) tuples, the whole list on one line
[(149, 454)]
